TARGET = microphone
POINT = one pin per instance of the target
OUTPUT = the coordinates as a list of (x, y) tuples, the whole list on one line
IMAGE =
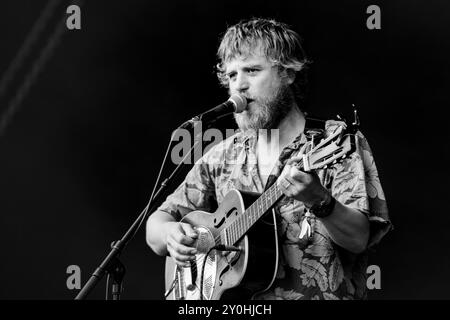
[(236, 103)]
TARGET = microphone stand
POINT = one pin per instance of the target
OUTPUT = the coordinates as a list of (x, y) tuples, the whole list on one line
[(111, 264)]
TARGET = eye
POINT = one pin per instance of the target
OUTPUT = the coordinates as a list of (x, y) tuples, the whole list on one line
[(252, 71), (231, 76)]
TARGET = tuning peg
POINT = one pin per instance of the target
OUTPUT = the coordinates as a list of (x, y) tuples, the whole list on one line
[(356, 121), (312, 140), (340, 118)]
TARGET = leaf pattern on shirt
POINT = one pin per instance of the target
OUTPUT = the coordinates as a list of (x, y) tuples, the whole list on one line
[(314, 272), (330, 296), (321, 248), (293, 256), (281, 294), (374, 189), (290, 211), (336, 274), (287, 294)]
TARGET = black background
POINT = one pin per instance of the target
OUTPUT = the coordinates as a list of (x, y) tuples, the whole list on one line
[(79, 157)]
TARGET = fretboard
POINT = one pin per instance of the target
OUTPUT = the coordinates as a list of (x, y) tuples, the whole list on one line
[(253, 213)]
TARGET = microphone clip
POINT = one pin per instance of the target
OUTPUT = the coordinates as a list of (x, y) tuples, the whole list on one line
[(190, 123)]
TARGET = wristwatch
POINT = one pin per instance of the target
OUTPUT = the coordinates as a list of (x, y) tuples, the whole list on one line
[(324, 208)]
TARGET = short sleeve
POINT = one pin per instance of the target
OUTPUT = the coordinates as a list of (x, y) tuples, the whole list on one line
[(356, 184), (196, 192)]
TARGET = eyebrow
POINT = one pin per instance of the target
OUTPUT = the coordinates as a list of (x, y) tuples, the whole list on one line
[(251, 66)]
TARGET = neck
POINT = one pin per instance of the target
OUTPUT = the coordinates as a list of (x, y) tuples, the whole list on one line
[(289, 128)]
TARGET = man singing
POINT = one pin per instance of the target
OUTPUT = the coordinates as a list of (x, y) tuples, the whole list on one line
[(327, 220)]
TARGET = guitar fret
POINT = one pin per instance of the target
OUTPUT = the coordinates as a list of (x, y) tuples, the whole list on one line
[(237, 230), (263, 205), (240, 226), (272, 193), (252, 216), (260, 207), (231, 234), (247, 222), (270, 196), (222, 238), (226, 236), (244, 223)]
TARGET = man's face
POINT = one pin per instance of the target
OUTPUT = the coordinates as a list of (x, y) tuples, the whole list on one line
[(266, 89)]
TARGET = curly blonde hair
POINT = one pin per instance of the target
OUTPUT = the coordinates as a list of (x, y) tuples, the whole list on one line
[(279, 43)]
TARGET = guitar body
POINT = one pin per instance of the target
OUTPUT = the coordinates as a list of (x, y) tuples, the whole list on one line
[(227, 274)]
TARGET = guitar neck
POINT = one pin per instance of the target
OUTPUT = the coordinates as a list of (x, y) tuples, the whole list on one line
[(253, 213)]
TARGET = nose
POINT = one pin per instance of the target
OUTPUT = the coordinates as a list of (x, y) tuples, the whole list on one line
[(241, 83)]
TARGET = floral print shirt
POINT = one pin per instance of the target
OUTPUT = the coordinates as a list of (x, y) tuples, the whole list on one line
[(311, 265)]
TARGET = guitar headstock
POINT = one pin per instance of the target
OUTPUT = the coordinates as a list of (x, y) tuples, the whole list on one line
[(332, 149)]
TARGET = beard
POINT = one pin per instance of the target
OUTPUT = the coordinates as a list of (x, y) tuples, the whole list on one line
[(267, 113)]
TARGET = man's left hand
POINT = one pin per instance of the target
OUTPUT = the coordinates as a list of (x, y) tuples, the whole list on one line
[(302, 186)]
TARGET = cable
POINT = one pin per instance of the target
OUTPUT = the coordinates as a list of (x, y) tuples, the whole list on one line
[(107, 287), (172, 286), (145, 215)]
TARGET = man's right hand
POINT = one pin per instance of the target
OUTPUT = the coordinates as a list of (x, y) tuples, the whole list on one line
[(180, 238)]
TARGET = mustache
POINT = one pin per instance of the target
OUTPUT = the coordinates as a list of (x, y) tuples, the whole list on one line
[(246, 96)]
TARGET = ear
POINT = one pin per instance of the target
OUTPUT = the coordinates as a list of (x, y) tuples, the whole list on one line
[(288, 75)]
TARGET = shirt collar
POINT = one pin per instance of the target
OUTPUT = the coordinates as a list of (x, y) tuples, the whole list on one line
[(249, 138)]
